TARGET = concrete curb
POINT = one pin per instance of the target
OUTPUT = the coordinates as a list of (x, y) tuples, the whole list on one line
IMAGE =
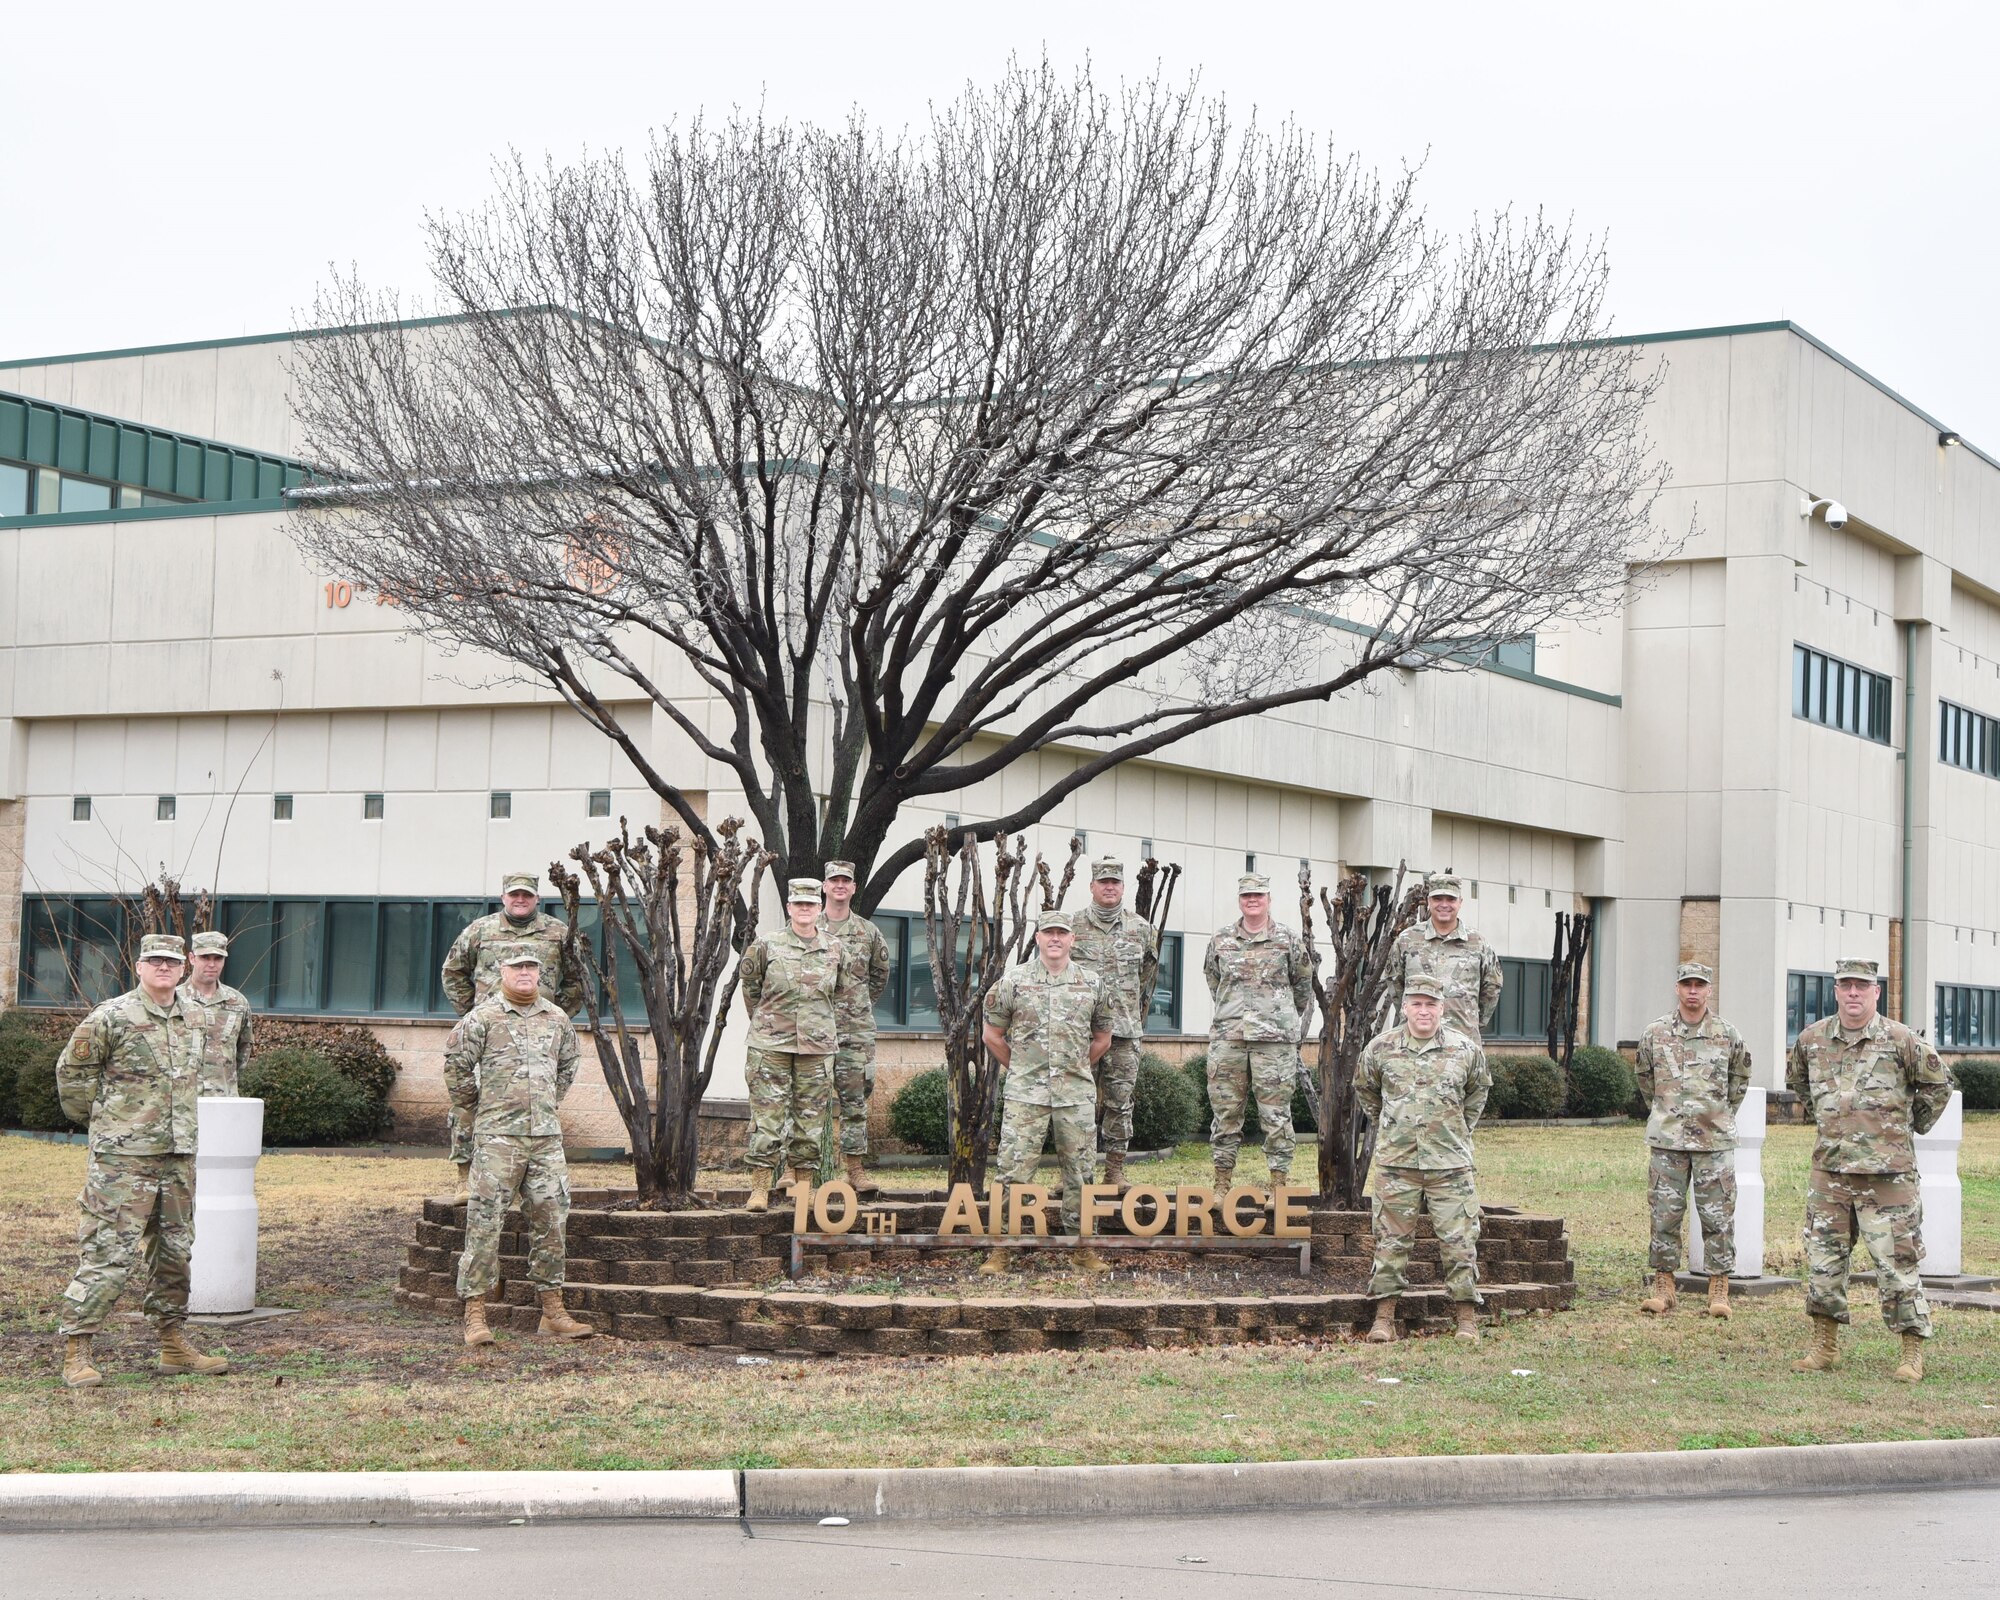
[(1396, 1481), (49, 1501), (52, 1500)]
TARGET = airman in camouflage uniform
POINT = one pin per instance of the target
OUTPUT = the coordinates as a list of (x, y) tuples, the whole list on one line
[(1872, 1084), (471, 970), (795, 984), (1443, 948), (854, 1061), (132, 1072), (1261, 984), (1116, 943), (1693, 1070), (507, 1066), (1048, 1022), (1424, 1085), (222, 1013)]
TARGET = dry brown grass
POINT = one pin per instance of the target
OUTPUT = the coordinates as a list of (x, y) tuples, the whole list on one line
[(352, 1382)]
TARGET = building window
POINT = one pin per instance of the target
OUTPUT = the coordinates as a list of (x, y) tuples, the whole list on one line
[(1809, 997), (600, 802), (13, 490), (281, 808), (1145, 851), (1250, 861), (79, 808), (1837, 694), (1968, 739), (1968, 1018), (499, 804), (1524, 1001), (163, 808), (371, 808)]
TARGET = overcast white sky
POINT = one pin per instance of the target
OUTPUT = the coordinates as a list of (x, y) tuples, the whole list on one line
[(189, 172)]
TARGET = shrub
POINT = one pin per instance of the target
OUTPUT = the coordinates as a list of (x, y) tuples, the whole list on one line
[(918, 1115), (308, 1100), (1526, 1087), (1980, 1080), (1600, 1082), (35, 1095), (349, 1048), (18, 1045), (1164, 1107)]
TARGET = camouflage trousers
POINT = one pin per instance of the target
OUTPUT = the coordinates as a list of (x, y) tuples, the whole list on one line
[(790, 1096), (1025, 1128), (1266, 1068), (507, 1167), (1885, 1211), (853, 1083), (459, 1124), (1711, 1174), (134, 1209), (1117, 1077), (1402, 1194)]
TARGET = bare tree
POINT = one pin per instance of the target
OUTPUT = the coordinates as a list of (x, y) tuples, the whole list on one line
[(1568, 963), (679, 909), (877, 464), (1362, 927)]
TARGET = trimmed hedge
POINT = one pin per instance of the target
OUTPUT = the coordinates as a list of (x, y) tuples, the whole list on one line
[(35, 1094), (1165, 1111), (349, 1048), (918, 1115), (309, 1100), (1600, 1082), (1527, 1087), (1979, 1078), (18, 1046)]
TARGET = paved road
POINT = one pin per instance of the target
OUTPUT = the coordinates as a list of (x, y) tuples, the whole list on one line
[(1939, 1544)]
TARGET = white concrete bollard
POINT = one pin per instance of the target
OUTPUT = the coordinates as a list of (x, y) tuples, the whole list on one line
[(1750, 1119), (1943, 1196), (228, 1141)]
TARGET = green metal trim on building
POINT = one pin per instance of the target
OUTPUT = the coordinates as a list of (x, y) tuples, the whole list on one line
[(199, 508), (84, 444)]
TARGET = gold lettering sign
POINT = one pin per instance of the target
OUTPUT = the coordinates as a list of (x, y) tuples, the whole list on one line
[(1018, 1210)]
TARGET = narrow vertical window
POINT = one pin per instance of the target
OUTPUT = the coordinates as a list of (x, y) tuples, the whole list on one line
[(499, 804), (163, 808)]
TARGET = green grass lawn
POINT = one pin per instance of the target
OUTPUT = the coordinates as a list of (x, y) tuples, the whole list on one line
[(353, 1382)]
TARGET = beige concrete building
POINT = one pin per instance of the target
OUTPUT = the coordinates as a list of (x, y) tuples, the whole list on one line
[(1785, 748)]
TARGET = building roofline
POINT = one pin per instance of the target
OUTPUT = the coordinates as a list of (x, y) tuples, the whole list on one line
[(1665, 336)]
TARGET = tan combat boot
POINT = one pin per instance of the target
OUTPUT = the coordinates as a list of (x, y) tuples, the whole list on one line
[(760, 1190), (1912, 1369), (77, 1371), (556, 1319), (1088, 1260), (1466, 1315), (1825, 1351), (1225, 1179), (1114, 1168), (1718, 1295), (1663, 1298), (803, 1179), (476, 1331), (1384, 1331), (177, 1355), (994, 1264), (1280, 1176), (858, 1179)]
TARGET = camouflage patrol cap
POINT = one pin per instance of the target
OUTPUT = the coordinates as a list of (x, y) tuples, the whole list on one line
[(1253, 883), (840, 869), (521, 880), (209, 944), (1856, 969), (1424, 984), (1693, 972), (1444, 883), (802, 889), (162, 944), (519, 955), (1107, 867), (1055, 919)]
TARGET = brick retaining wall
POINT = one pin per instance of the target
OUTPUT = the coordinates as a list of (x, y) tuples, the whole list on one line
[(701, 1278)]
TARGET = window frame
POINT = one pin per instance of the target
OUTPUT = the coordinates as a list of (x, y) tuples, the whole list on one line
[(1968, 740), (1842, 695), (1967, 1016), (1519, 977)]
